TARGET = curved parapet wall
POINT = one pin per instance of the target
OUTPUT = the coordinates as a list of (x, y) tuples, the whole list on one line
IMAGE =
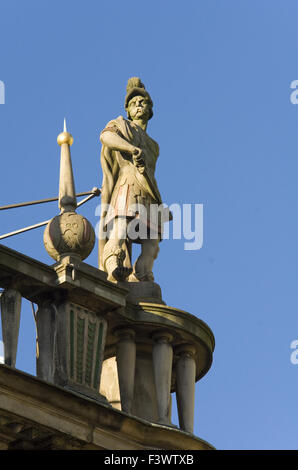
[(152, 350), (148, 318)]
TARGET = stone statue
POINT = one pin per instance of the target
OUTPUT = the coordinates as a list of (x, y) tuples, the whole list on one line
[(129, 190)]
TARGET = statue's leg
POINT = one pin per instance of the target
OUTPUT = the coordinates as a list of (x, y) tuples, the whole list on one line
[(144, 264), (114, 253)]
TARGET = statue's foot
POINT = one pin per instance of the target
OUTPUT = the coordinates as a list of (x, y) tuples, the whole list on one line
[(121, 273)]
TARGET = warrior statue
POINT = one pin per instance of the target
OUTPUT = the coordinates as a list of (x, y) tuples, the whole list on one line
[(129, 190)]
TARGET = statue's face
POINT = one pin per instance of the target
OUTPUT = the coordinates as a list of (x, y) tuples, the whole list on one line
[(139, 107)]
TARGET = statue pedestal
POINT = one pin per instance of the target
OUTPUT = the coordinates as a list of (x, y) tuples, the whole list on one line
[(145, 291)]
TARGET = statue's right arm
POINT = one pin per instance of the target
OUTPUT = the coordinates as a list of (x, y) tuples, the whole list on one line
[(116, 142)]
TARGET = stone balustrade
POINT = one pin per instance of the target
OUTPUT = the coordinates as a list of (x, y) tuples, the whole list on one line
[(94, 341), (164, 351)]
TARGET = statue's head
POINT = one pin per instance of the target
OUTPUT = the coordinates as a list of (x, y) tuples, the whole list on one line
[(138, 103)]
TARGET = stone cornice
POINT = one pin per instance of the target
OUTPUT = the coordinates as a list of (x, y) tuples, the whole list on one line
[(48, 408)]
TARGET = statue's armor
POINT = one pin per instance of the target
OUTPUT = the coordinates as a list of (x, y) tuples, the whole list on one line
[(131, 187)]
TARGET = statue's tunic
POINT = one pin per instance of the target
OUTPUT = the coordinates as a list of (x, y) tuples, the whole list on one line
[(124, 187)]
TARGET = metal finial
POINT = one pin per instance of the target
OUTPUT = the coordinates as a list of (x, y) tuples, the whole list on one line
[(64, 126)]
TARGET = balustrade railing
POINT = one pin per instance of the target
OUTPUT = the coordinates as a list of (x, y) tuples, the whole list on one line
[(84, 322)]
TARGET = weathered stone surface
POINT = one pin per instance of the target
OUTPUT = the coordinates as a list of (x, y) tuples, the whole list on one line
[(185, 376), (72, 341), (11, 301), (146, 291), (156, 365), (69, 234), (46, 318), (109, 383), (126, 362), (37, 281), (71, 421), (55, 288), (148, 318), (162, 354), (145, 399)]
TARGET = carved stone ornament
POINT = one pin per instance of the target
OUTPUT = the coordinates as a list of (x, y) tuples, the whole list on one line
[(69, 233)]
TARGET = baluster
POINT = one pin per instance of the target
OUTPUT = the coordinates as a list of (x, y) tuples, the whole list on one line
[(126, 362), (11, 301), (162, 363), (186, 375)]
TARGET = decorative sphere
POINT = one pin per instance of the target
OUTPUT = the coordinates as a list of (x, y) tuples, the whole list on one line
[(69, 233), (65, 138)]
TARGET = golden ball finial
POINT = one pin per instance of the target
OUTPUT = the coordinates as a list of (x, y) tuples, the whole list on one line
[(65, 137)]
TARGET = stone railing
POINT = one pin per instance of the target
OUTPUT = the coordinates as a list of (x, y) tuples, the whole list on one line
[(98, 341)]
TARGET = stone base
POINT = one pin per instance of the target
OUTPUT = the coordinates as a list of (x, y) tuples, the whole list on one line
[(36, 415), (143, 291)]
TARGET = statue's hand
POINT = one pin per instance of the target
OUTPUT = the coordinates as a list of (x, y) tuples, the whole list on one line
[(138, 159)]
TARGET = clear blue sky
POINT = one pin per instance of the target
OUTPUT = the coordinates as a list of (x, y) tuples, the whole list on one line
[(219, 73)]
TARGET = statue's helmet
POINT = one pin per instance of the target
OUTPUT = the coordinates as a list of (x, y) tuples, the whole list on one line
[(136, 88)]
